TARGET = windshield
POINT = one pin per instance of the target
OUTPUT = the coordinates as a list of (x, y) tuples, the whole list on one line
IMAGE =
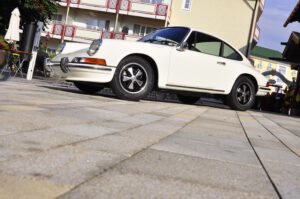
[(167, 36)]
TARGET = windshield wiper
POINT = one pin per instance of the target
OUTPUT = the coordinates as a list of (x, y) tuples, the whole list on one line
[(163, 41)]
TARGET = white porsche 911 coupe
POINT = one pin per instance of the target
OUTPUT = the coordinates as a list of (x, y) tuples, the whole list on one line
[(182, 60)]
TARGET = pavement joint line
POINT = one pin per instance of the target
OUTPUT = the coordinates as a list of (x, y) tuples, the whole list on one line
[(275, 135), (133, 155), (84, 140), (192, 182), (206, 158), (92, 122), (257, 156), (281, 125)]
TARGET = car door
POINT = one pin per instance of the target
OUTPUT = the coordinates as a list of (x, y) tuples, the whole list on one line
[(200, 66)]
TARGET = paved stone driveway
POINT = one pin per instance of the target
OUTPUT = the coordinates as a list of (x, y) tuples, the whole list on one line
[(62, 144)]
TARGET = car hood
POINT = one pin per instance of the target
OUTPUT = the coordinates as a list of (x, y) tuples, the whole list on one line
[(114, 42), (71, 50)]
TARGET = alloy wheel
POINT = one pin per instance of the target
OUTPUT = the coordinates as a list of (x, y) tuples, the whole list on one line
[(243, 94), (133, 78)]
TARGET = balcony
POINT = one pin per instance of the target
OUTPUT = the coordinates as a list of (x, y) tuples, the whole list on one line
[(261, 8), (256, 34), (78, 34), (125, 7)]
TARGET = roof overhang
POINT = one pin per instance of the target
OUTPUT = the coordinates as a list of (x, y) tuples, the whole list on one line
[(292, 49), (295, 15)]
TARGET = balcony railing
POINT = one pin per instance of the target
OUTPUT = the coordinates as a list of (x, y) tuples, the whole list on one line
[(262, 4), (75, 33), (129, 7), (257, 33)]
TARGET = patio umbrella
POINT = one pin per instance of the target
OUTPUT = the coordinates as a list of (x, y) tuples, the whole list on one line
[(13, 32)]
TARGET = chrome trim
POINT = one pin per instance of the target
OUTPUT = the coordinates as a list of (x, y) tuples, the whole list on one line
[(264, 88), (50, 63), (90, 66), (196, 88)]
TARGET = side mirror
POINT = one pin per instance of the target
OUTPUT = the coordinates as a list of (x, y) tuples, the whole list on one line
[(182, 46)]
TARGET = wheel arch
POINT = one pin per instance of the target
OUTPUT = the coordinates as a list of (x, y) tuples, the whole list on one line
[(150, 60), (252, 78)]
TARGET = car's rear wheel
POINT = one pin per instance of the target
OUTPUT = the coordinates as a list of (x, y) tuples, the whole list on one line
[(187, 99), (242, 95), (88, 88), (133, 79)]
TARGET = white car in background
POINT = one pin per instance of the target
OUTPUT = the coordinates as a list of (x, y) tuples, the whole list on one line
[(178, 59)]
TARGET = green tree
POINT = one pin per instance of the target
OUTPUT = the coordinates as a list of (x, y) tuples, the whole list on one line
[(31, 11)]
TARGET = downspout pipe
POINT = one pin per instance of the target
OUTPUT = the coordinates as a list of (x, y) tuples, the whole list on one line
[(251, 31), (66, 22)]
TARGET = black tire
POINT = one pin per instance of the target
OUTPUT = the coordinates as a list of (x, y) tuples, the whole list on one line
[(187, 99), (88, 88), (242, 95), (133, 79)]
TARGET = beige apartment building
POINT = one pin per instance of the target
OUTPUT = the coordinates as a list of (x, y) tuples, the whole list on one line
[(86, 20), (233, 20)]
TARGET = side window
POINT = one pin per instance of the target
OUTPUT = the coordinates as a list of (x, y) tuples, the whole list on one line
[(230, 53), (200, 42)]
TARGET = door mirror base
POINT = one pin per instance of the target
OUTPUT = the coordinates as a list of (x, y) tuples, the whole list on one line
[(182, 46)]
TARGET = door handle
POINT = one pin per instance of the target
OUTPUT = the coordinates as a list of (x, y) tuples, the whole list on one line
[(221, 63)]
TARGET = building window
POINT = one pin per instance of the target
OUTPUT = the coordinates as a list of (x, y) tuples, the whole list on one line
[(269, 69), (148, 30), (57, 18), (151, 1), (294, 74), (187, 4), (282, 70), (259, 65), (136, 29), (142, 30), (106, 26)]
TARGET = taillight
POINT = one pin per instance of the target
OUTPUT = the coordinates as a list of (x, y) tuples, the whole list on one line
[(268, 84)]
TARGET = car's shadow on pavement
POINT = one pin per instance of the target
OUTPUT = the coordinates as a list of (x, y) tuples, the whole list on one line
[(153, 96)]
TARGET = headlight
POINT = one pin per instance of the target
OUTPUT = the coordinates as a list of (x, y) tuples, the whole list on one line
[(60, 48), (94, 47)]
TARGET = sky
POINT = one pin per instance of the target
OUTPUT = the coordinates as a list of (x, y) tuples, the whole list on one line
[(271, 23)]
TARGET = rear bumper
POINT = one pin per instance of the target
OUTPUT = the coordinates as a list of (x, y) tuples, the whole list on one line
[(90, 73), (263, 91)]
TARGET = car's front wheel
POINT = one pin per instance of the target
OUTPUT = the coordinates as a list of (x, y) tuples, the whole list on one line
[(133, 79), (88, 88), (187, 99), (242, 95)]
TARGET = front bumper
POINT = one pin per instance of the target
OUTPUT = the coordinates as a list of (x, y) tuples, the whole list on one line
[(90, 73)]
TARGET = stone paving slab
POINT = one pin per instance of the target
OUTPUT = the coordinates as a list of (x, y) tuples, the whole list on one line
[(135, 186), (209, 151), (200, 171), (276, 163), (70, 145), (16, 187), (285, 136), (67, 166)]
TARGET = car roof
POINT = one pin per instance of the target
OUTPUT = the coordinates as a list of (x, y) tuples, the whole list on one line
[(210, 34)]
